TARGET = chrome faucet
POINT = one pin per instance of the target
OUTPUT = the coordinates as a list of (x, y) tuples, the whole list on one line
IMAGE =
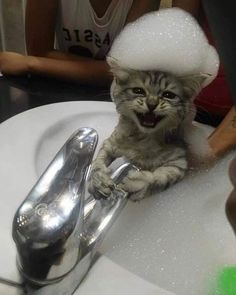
[(56, 229)]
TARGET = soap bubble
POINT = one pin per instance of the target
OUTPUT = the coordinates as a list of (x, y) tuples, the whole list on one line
[(168, 40), (178, 239)]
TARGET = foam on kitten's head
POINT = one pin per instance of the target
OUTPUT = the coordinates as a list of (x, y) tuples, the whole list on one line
[(192, 84), (169, 40)]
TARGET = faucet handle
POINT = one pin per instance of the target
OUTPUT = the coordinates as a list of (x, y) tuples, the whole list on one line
[(101, 213)]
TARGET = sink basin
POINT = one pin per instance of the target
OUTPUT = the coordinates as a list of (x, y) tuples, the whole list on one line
[(177, 239)]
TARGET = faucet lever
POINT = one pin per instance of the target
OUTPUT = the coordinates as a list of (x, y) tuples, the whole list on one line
[(101, 214)]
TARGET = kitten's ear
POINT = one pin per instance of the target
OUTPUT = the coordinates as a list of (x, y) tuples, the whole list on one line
[(118, 72), (193, 84)]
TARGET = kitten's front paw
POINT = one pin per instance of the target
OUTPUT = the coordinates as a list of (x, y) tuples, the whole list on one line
[(100, 184), (138, 184)]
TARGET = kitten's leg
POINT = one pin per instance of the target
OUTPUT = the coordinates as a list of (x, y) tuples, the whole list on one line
[(100, 183), (138, 184), (141, 183)]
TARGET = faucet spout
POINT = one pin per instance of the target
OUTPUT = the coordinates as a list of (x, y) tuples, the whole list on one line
[(46, 225), (56, 231)]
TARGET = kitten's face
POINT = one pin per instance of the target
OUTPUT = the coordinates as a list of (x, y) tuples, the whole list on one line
[(153, 100)]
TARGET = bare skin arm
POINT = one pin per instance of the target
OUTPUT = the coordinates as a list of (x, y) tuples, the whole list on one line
[(223, 138), (44, 60), (40, 24)]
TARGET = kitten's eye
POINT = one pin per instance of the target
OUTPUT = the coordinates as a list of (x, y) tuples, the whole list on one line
[(140, 91), (169, 94)]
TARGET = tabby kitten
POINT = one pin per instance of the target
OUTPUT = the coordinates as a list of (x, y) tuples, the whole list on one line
[(154, 108)]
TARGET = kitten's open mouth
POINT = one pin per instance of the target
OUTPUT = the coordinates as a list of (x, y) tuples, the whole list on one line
[(149, 120)]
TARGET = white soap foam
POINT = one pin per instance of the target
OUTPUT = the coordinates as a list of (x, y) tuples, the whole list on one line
[(178, 239), (196, 136), (168, 40)]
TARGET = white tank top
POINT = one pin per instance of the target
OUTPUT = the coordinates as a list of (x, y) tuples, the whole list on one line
[(80, 31)]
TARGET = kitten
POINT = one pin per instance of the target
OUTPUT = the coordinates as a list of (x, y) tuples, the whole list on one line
[(154, 108)]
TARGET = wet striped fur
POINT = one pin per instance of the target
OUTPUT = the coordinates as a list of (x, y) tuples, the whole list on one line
[(154, 108)]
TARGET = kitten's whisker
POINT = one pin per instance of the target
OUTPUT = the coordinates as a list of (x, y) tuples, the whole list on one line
[(202, 109), (103, 93)]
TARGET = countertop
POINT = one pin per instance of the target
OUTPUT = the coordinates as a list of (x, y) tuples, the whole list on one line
[(18, 94)]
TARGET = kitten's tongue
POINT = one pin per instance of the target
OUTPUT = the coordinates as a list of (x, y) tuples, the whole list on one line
[(149, 119)]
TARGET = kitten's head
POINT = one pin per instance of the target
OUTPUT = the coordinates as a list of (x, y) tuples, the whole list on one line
[(153, 100)]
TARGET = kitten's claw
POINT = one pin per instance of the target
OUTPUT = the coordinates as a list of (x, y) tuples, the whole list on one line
[(137, 184), (100, 184), (138, 196)]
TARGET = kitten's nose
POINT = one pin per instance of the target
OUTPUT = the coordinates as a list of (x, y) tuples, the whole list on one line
[(151, 106)]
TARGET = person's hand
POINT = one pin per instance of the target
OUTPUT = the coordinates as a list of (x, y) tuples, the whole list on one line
[(231, 202), (12, 63)]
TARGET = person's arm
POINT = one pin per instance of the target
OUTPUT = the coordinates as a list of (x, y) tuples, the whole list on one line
[(223, 139), (40, 24), (44, 60)]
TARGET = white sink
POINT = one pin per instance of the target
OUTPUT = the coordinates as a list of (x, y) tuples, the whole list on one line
[(177, 239)]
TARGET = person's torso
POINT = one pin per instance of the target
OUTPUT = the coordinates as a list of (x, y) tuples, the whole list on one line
[(80, 31)]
